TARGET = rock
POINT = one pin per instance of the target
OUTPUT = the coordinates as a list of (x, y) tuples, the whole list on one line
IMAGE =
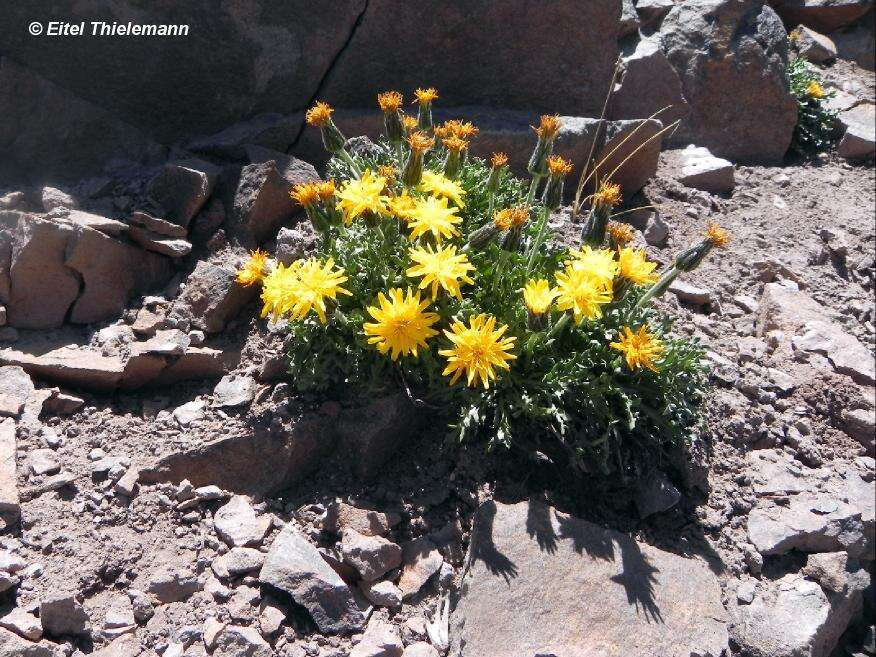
[(630, 153), (63, 403), (828, 569), (15, 389), (143, 609), (114, 340), (183, 188), (52, 198), (10, 506), (271, 617), (420, 649), (421, 560), (156, 225), (127, 484), (12, 645), (381, 594), (189, 413), (80, 219), (651, 11), (238, 561), (43, 461), (61, 614), (124, 646), (261, 203), (859, 139), (172, 582), (211, 297), (824, 15), (371, 556), (238, 525), (860, 424), (648, 83), (702, 170), (655, 494), (340, 517), (23, 624), (295, 566), (297, 242), (731, 56), (845, 352), (171, 247), (13, 201), (119, 614), (166, 342), (148, 322), (656, 231), (813, 46), (212, 628), (611, 586), (629, 22), (691, 293), (794, 617), (234, 391), (236, 641), (380, 640)]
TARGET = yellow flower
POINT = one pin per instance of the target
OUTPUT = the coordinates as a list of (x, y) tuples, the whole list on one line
[(431, 215), (608, 194), (326, 190), (622, 234), (410, 123), (400, 324), (478, 350), (538, 296), (301, 287), (442, 186), (558, 166), (815, 90), (503, 219), (717, 235), (581, 292), (548, 127), (387, 171), (440, 268), (253, 269), (420, 142), (401, 206), (390, 101), (634, 266), (455, 144), (456, 128), (425, 96), (599, 263), (319, 115), (640, 349), (364, 195), (498, 160), (519, 216), (306, 194)]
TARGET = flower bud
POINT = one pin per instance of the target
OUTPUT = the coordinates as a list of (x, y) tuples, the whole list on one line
[(483, 235), (424, 99)]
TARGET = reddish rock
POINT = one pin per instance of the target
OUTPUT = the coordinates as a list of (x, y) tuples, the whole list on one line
[(182, 188), (211, 297)]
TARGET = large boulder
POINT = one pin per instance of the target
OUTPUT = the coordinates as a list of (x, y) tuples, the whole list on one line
[(731, 57), (541, 582), (859, 139), (823, 15)]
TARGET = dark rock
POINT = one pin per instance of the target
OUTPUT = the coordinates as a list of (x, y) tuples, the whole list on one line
[(156, 225), (269, 131), (371, 556), (655, 494), (294, 243), (61, 615), (211, 297), (182, 188), (813, 46), (823, 15)]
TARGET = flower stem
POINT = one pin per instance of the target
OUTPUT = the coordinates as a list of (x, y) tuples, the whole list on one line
[(533, 188), (539, 238), (346, 157)]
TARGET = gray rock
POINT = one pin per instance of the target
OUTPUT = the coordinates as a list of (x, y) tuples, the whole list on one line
[(233, 391), (43, 461), (702, 170), (142, 606), (238, 525), (421, 560), (169, 246), (156, 225), (652, 11), (10, 505), (127, 483), (371, 556), (52, 198), (656, 231), (420, 649), (23, 624), (271, 617), (238, 561), (296, 242), (211, 297), (15, 389), (295, 566), (172, 581), (861, 425), (61, 614), (261, 203), (699, 296), (381, 594), (655, 494), (236, 641), (845, 352), (182, 189), (828, 569), (629, 22), (340, 517), (189, 413), (824, 15), (380, 640), (119, 613), (812, 46), (553, 583), (101, 224), (859, 139), (12, 645)]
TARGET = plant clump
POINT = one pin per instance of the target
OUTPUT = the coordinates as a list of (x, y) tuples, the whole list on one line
[(436, 275), (815, 120)]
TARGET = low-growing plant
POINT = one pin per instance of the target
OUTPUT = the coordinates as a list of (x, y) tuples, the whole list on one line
[(815, 120), (435, 276)]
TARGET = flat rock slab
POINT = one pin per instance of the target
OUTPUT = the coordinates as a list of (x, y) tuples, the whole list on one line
[(15, 388), (541, 582)]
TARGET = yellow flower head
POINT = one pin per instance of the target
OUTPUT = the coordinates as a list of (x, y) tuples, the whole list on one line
[(622, 234), (558, 166), (456, 128), (364, 195), (303, 286), (326, 190), (410, 123), (548, 127), (538, 296), (390, 101), (478, 350), (519, 216), (440, 268), (425, 96), (498, 160), (634, 266), (306, 194), (503, 219), (387, 171), (442, 186), (420, 142), (401, 206), (401, 325), (254, 269), (608, 194), (718, 236), (581, 292), (598, 263), (319, 115), (641, 349), (815, 90), (455, 144), (431, 215)]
